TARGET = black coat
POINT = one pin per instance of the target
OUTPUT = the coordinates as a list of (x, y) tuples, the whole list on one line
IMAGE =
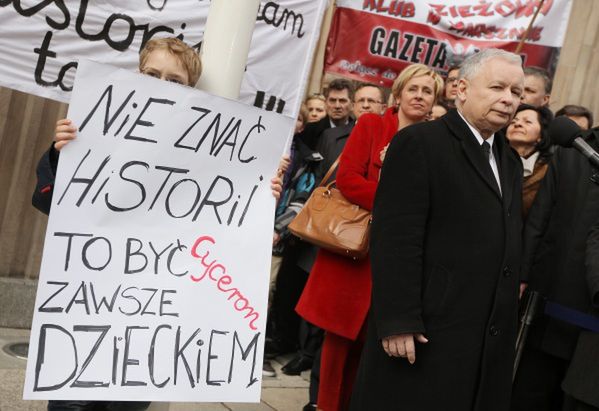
[(330, 145), (582, 378), (46, 174), (445, 256), (555, 236), (311, 134), (312, 131)]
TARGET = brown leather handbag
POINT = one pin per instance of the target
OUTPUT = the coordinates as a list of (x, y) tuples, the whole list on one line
[(329, 221)]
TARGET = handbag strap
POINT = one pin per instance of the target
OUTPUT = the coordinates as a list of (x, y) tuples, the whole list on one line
[(330, 172)]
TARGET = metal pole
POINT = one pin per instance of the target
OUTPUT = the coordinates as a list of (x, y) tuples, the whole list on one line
[(226, 44)]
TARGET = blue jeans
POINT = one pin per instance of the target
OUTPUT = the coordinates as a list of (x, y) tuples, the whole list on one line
[(75, 405)]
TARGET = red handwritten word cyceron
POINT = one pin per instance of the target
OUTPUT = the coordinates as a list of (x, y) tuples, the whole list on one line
[(217, 273)]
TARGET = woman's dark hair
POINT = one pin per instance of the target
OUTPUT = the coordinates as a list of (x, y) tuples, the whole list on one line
[(545, 118)]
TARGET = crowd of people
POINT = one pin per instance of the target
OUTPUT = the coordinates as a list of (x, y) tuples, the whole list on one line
[(326, 309), (472, 206)]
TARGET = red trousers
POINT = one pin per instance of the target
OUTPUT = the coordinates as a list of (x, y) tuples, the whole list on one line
[(338, 368)]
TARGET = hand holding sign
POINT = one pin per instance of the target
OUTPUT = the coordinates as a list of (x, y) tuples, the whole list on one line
[(65, 132), (117, 314)]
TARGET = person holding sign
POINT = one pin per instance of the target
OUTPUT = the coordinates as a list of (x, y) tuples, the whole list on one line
[(168, 59)]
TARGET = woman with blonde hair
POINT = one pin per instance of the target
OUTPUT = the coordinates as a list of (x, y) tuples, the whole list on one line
[(316, 106), (337, 295)]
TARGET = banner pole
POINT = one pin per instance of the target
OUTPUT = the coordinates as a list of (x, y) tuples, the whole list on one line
[(527, 32), (226, 45)]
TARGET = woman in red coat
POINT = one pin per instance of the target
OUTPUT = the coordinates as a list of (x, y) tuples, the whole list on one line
[(337, 294)]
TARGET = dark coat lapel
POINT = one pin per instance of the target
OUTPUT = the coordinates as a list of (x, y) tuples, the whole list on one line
[(461, 131), (341, 131)]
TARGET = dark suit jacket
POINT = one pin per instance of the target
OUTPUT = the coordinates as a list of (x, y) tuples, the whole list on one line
[(46, 174), (312, 132), (445, 254), (330, 145), (582, 378), (555, 240)]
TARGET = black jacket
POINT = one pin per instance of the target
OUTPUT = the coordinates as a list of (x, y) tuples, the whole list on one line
[(46, 174), (445, 254), (555, 236), (330, 145), (582, 378), (310, 135)]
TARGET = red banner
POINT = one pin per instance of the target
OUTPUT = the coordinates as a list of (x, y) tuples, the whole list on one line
[(373, 44)]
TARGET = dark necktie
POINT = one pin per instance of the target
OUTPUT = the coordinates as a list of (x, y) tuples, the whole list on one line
[(486, 149)]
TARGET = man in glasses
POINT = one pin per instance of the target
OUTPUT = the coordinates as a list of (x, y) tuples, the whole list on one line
[(368, 99)]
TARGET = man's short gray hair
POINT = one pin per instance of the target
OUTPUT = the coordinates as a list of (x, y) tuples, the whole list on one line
[(471, 66)]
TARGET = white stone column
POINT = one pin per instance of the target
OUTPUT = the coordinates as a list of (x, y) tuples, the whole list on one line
[(226, 44)]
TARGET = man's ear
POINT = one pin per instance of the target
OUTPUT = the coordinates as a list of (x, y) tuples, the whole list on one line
[(546, 98), (463, 86)]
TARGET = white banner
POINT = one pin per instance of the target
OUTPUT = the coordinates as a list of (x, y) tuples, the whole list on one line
[(40, 43), (154, 278)]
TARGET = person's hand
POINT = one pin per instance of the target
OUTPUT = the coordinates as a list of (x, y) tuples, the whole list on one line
[(276, 237), (276, 185), (284, 165), (384, 153), (522, 289), (65, 132), (402, 345)]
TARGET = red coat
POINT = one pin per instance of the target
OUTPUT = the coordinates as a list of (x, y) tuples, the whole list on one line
[(337, 294)]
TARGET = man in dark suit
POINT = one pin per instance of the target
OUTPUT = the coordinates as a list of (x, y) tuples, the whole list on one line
[(445, 254), (368, 98), (338, 99)]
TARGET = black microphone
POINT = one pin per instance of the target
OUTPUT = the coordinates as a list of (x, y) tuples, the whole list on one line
[(566, 133)]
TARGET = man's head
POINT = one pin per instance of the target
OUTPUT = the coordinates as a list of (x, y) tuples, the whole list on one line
[(338, 97), (368, 98), (451, 85), (537, 87), (579, 114), (170, 59), (490, 85)]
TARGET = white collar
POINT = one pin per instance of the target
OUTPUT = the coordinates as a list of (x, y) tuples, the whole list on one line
[(477, 134), (529, 163), (333, 125)]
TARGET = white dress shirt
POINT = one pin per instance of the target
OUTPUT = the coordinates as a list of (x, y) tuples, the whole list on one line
[(490, 140)]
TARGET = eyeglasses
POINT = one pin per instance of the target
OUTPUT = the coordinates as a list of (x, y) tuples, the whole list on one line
[(365, 100)]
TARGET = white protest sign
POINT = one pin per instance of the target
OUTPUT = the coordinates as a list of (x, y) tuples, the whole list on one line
[(41, 42), (154, 278)]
